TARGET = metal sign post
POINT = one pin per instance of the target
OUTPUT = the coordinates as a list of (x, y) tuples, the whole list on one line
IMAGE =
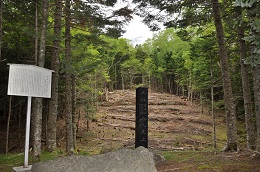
[(27, 136)]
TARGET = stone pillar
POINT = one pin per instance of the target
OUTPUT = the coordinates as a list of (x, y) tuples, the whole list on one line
[(141, 125)]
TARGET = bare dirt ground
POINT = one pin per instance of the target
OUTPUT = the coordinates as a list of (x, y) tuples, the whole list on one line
[(174, 124), (177, 128)]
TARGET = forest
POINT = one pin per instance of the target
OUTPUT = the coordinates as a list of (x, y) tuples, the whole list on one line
[(208, 53)]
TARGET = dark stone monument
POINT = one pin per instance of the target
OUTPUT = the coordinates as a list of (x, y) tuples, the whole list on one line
[(141, 124)]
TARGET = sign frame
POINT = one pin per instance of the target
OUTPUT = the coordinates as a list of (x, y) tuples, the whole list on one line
[(30, 81)]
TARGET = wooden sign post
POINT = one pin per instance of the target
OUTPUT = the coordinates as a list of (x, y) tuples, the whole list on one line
[(30, 81), (141, 125)]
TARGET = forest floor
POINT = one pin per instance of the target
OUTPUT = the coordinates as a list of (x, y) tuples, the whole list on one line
[(174, 124), (177, 129)]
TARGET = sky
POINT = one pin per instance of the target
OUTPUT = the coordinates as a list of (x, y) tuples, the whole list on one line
[(136, 31)]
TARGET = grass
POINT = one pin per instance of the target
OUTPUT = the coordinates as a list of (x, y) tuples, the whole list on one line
[(45, 156), (212, 160), (15, 160), (10, 160)]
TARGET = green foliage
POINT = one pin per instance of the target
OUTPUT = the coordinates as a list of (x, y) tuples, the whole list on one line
[(18, 28), (174, 59), (180, 14), (252, 9), (167, 56), (245, 3), (168, 52)]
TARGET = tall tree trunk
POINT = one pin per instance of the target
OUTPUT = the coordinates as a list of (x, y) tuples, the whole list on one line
[(256, 75), (212, 105), (68, 83), (36, 30), (1, 29), (115, 80), (230, 110), (122, 78), (37, 108), (36, 34), (8, 125), (253, 14), (131, 81), (55, 66), (189, 88), (249, 118), (74, 122), (95, 89), (149, 83), (19, 123), (256, 82)]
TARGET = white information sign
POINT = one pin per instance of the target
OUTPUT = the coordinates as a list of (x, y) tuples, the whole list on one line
[(29, 80)]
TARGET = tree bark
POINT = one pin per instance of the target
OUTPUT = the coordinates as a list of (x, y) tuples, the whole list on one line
[(37, 127), (35, 63), (256, 82), (1, 29), (74, 122), (19, 124), (55, 66), (8, 125), (37, 108), (122, 78), (212, 105), (256, 72), (149, 83), (230, 110), (253, 14), (68, 83), (36, 34), (249, 118), (115, 81)]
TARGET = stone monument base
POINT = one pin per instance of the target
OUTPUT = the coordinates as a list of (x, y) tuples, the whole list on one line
[(22, 169), (123, 160)]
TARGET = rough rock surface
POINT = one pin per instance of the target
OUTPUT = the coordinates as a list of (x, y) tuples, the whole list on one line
[(124, 160)]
